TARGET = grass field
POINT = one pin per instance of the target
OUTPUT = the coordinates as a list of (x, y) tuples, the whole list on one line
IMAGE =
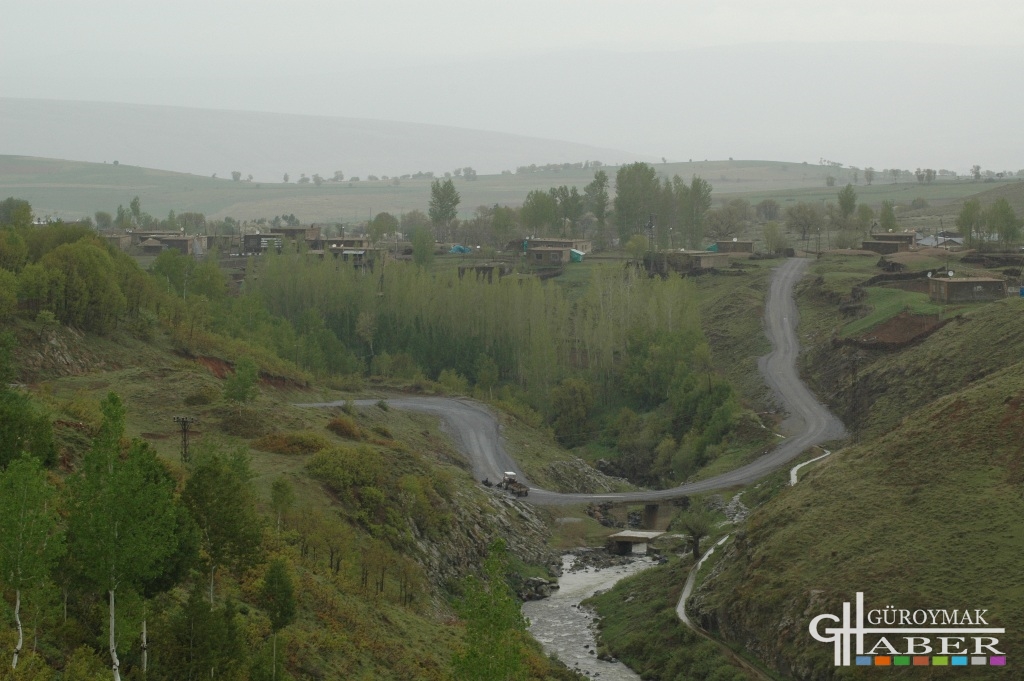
[(70, 190)]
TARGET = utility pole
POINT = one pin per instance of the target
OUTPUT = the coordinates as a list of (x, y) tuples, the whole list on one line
[(185, 422)]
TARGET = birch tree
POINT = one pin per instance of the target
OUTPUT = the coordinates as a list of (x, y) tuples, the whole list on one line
[(30, 541), (122, 519)]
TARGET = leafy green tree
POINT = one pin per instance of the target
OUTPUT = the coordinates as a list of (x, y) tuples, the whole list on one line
[(23, 429), (694, 205), (207, 279), (122, 517), (413, 220), (13, 250), (539, 212), (136, 208), (774, 239), (869, 175), (636, 247), (382, 223), (30, 540), (495, 627), (104, 220), (219, 495), (847, 202), (865, 216), (200, 641), (82, 289), (486, 373), (241, 386), (571, 402), (971, 222), (366, 328), (15, 213), (768, 210), (8, 294), (1001, 220), (173, 267), (697, 525), (636, 194), (596, 197), (422, 247), (444, 205), (503, 222), (804, 219), (570, 207), (282, 498), (278, 599), (887, 217)]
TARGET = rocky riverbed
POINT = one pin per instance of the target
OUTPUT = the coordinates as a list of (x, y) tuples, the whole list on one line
[(567, 630)]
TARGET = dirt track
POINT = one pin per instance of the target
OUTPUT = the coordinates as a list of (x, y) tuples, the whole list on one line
[(809, 423)]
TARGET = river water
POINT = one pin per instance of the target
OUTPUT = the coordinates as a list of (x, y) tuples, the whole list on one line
[(565, 630)]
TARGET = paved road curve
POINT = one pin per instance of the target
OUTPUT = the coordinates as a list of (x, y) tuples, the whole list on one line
[(475, 429)]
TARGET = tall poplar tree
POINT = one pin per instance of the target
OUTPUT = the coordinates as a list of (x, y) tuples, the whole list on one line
[(444, 206), (122, 521)]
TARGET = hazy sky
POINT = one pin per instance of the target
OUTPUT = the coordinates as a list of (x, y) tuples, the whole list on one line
[(256, 28), (549, 68)]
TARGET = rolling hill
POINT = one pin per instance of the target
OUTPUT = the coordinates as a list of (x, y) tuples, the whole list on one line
[(267, 145)]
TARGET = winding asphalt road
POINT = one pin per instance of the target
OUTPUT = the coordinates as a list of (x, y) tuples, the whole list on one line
[(475, 429)]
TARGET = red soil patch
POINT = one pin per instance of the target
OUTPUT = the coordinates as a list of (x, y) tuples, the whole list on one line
[(903, 328), (217, 367)]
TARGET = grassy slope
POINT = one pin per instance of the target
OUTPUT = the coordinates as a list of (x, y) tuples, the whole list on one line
[(340, 630), (69, 189), (928, 515)]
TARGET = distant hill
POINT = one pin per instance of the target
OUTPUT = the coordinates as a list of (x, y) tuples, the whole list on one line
[(267, 145)]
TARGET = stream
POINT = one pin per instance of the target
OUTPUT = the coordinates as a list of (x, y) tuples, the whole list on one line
[(565, 630)]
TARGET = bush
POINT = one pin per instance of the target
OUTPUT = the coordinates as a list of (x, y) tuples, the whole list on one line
[(343, 426), (382, 431), (204, 395), (291, 443)]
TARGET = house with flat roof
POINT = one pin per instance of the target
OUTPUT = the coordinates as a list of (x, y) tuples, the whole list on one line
[(966, 289)]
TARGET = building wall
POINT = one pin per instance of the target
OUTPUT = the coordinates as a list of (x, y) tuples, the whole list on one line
[(964, 291)]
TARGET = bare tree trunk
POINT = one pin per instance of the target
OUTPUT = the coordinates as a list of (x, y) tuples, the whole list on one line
[(145, 647), (115, 664), (17, 618), (213, 568), (273, 674)]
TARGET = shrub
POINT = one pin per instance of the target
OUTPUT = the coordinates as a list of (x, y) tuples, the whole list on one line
[(291, 443), (343, 426), (204, 395)]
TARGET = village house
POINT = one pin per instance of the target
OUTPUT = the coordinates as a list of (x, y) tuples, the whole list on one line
[(966, 289)]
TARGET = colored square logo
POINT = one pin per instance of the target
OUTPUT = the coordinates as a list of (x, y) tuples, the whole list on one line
[(940, 661), (865, 660), (959, 660), (997, 660), (883, 661), (979, 660), (901, 661), (922, 660)]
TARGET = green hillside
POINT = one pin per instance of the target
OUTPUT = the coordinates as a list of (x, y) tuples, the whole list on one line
[(70, 189), (928, 515)]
